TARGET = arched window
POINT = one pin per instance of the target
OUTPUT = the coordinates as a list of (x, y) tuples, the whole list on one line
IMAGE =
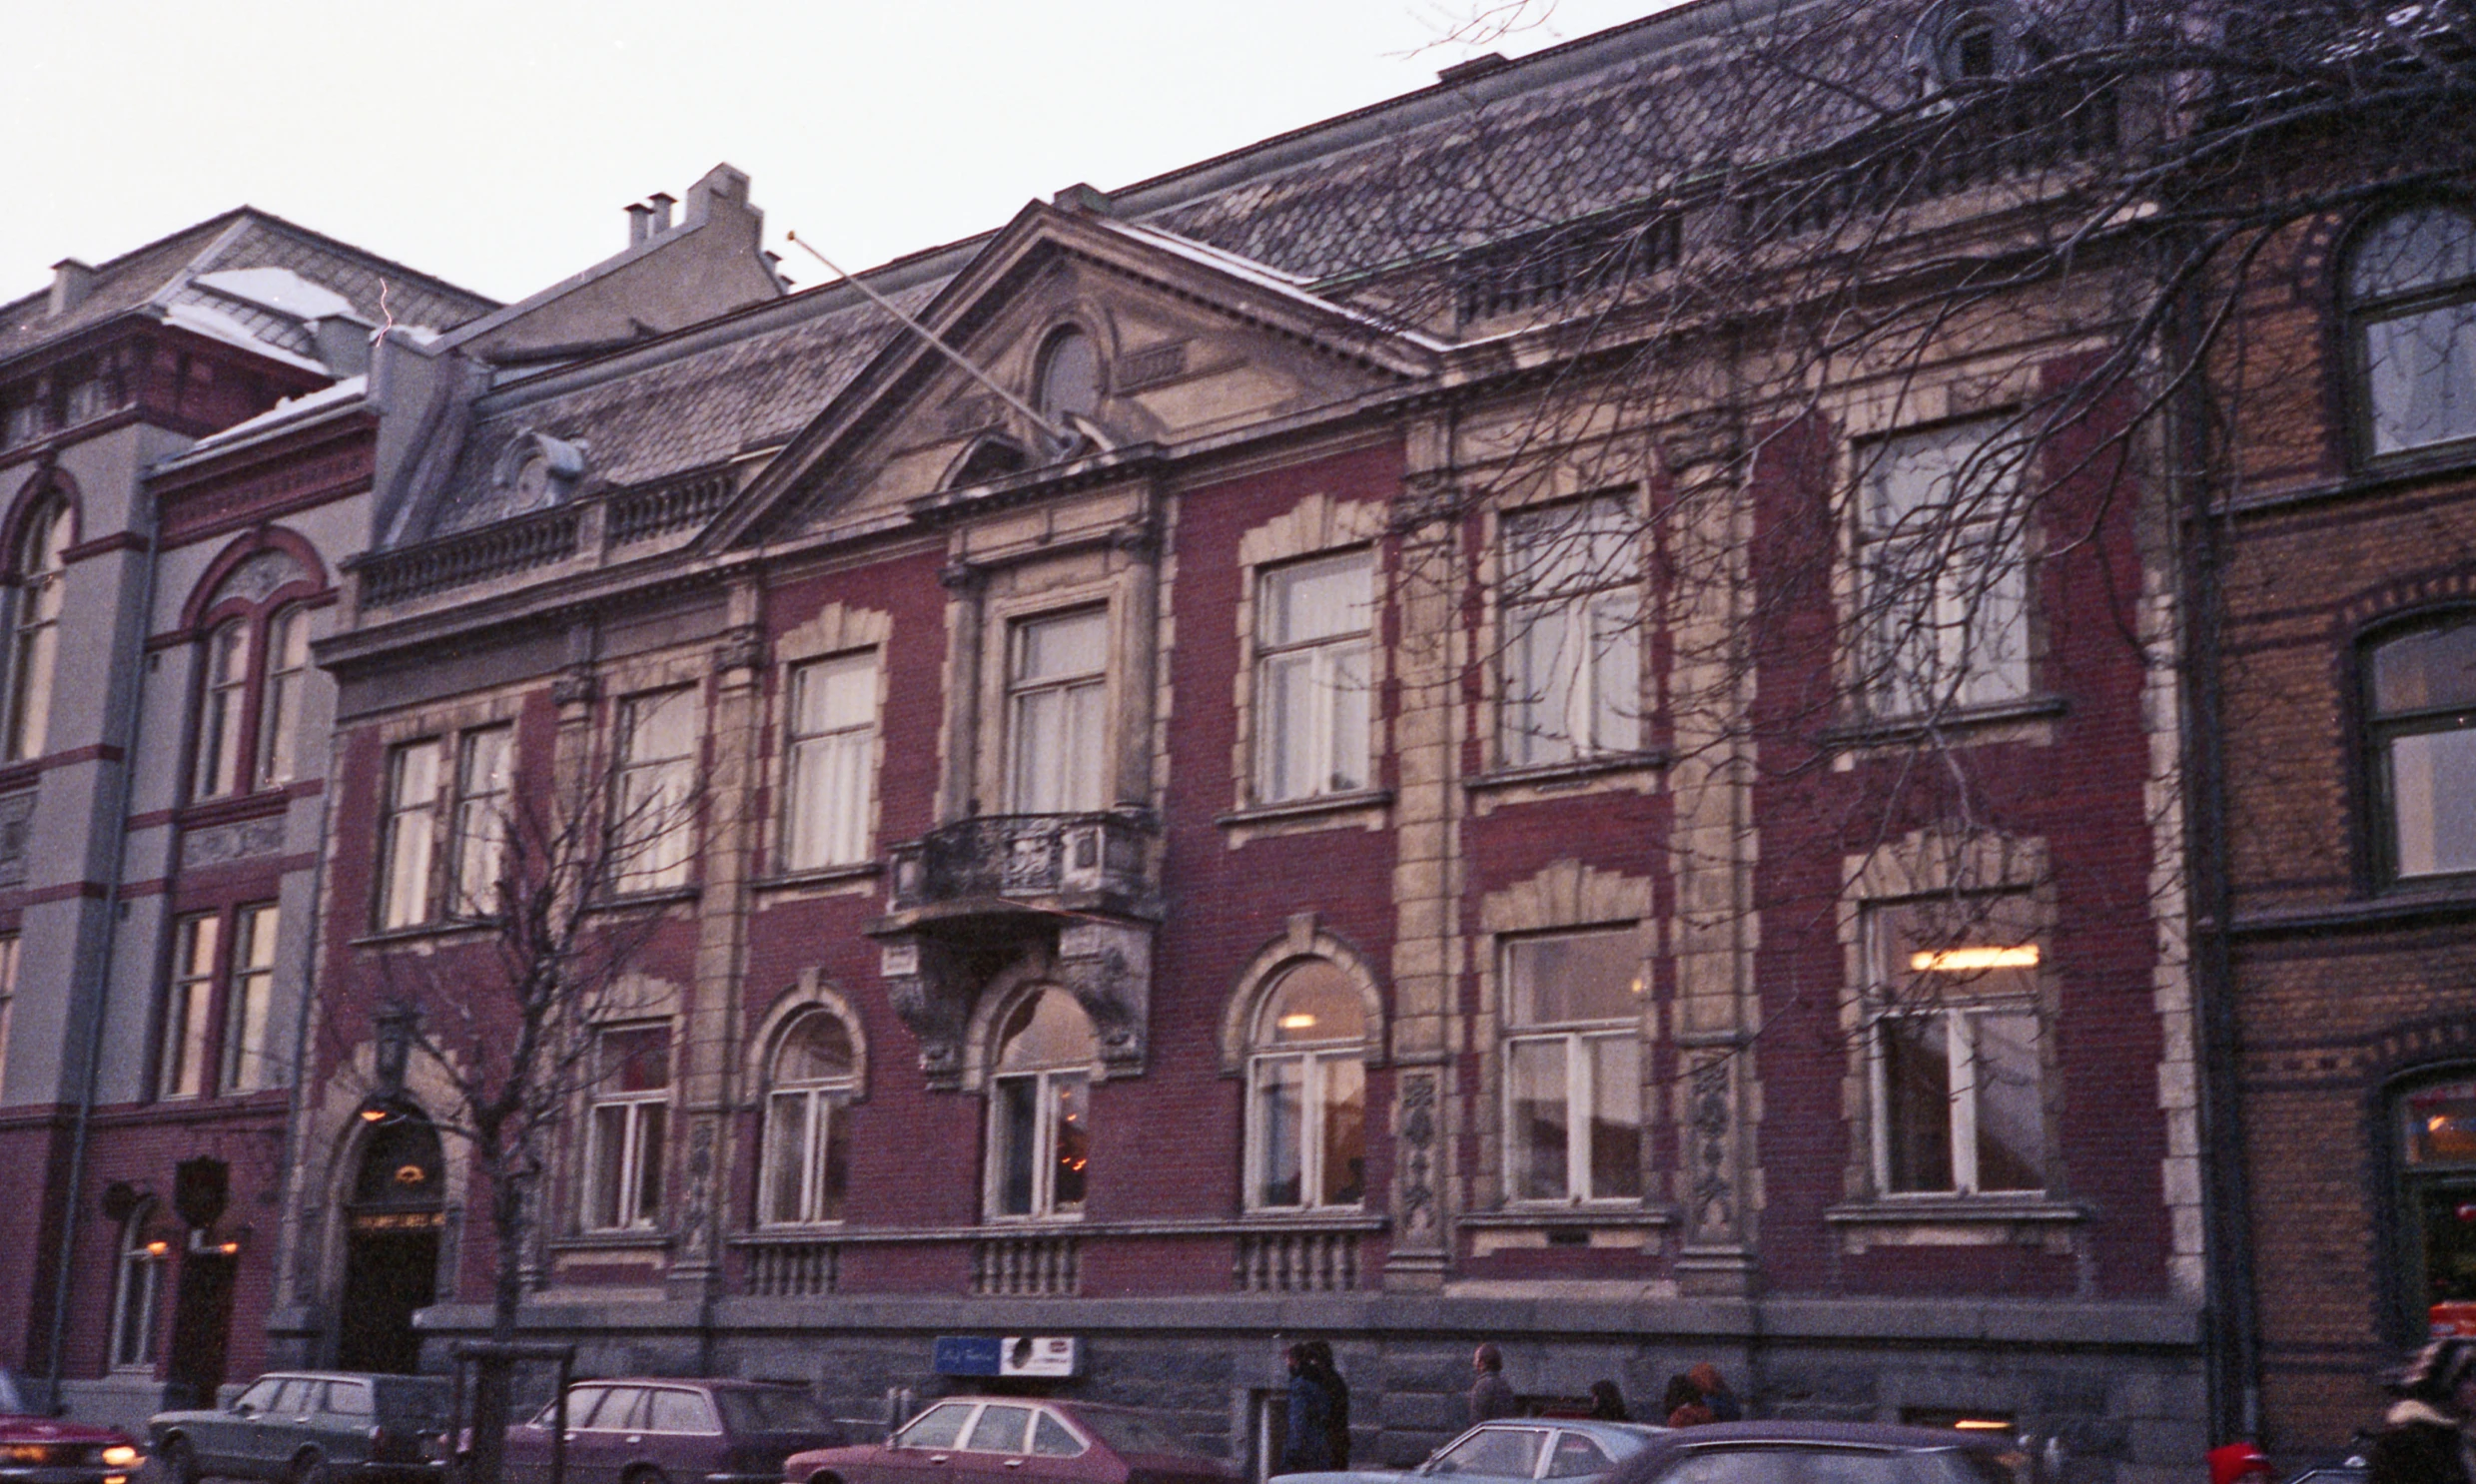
[(1308, 1092), (1040, 1108), (278, 717), (2421, 710), (1069, 377), (2411, 303), (253, 668), (813, 1078), (41, 561), (136, 1289)]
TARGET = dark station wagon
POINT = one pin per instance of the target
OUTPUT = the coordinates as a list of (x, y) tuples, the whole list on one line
[(997, 1439), (310, 1427), (657, 1430), (1783, 1452)]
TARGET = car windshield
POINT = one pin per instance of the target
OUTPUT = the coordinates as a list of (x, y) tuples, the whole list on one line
[(12, 1399), (777, 1409), (1501, 1452), (1828, 1465), (1132, 1432)]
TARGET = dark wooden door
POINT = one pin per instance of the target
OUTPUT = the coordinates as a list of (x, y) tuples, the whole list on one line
[(200, 1329)]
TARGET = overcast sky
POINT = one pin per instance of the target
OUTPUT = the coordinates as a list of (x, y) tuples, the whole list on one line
[(496, 142)]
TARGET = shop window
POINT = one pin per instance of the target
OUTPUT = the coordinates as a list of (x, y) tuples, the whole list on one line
[(1040, 1108), (1573, 1065), (2423, 716), (1942, 572), (629, 1108), (1572, 614), (1956, 1046), (1312, 688), (1308, 1092), (2411, 309), (809, 1088)]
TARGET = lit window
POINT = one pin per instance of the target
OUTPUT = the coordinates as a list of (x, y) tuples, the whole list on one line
[(657, 774), (189, 1006), (630, 1104), (1945, 585), (1057, 693), (248, 1065), (807, 1170), (1312, 663), (137, 1291), (41, 569), (1957, 1078), (1572, 607), (1041, 1109), (481, 807), (1573, 1067), (2423, 734), (1309, 1091), (833, 720), (8, 997), (224, 706), (2411, 299), (409, 834), (1069, 377), (288, 671)]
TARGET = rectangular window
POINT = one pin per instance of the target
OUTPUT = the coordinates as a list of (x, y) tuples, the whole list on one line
[(247, 1064), (137, 1295), (1572, 609), (287, 673), (832, 734), (187, 1005), (1057, 690), (1957, 1101), (630, 1103), (1312, 677), (657, 774), (1943, 572), (8, 998), (807, 1156), (483, 758), (1573, 1067), (1044, 1138), (409, 834), (225, 703)]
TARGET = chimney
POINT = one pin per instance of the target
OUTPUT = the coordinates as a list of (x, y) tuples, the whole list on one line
[(639, 223), (71, 281), (1083, 197), (662, 202), (1479, 66), (343, 342)]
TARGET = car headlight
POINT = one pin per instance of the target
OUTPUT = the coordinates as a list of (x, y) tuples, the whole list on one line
[(120, 1456)]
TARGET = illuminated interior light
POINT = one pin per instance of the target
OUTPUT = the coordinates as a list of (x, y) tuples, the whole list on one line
[(229, 1249), (2437, 1123), (1300, 1022), (372, 1115), (158, 1248), (1968, 960)]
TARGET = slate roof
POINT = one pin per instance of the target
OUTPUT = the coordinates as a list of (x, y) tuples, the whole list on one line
[(161, 272)]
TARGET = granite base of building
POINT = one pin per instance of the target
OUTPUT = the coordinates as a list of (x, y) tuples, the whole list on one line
[(2121, 1385)]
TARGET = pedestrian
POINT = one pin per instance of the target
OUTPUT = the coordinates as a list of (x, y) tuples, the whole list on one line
[(1683, 1406), (2423, 1438), (1491, 1396), (1715, 1393), (1337, 1401), (1607, 1404), (1307, 1446)]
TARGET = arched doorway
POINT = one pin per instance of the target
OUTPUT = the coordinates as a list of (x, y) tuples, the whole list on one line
[(392, 1221)]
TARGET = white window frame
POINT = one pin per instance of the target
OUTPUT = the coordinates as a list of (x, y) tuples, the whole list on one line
[(828, 772), (1964, 642), (1595, 618), (478, 850), (35, 648), (1961, 1013), (651, 796), (286, 647), (823, 1104), (1043, 1140), (408, 834), (189, 1006), (631, 1206), (137, 1295), (1317, 1059), (1579, 1040), (249, 999), (1338, 739), (1079, 761), (223, 711)]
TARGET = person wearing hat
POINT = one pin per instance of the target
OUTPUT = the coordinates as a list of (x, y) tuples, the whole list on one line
[(2423, 1438)]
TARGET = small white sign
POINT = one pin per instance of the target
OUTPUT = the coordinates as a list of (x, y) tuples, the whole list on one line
[(1040, 1355)]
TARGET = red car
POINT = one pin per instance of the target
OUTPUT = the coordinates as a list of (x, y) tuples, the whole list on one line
[(993, 1439), (664, 1430), (47, 1450)]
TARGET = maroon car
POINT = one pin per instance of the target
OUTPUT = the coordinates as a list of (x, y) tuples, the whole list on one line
[(994, 1439), (659, 1430), (48, 1450)]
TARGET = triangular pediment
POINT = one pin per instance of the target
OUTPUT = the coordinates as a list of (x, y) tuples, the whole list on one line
[(1191, 344)]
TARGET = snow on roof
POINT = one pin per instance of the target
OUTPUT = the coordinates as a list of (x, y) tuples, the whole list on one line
[(278, 288), (223, 327), (287, 411)]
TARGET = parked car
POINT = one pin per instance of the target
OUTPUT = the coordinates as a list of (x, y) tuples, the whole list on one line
[(654, 1430), (1514, 1449), (36, 1449), (1827, 1453), (989, 1439), (310, 1427)]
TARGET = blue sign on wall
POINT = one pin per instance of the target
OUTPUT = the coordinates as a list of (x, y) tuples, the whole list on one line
[(966, 1354)]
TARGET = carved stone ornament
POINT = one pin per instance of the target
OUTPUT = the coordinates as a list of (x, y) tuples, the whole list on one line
[(925, 985), (1107, 967), (258, 576), (696, 1235), (575, 687), (741, 649), (1417, 1214), (1714, 1197), (237, 841)]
